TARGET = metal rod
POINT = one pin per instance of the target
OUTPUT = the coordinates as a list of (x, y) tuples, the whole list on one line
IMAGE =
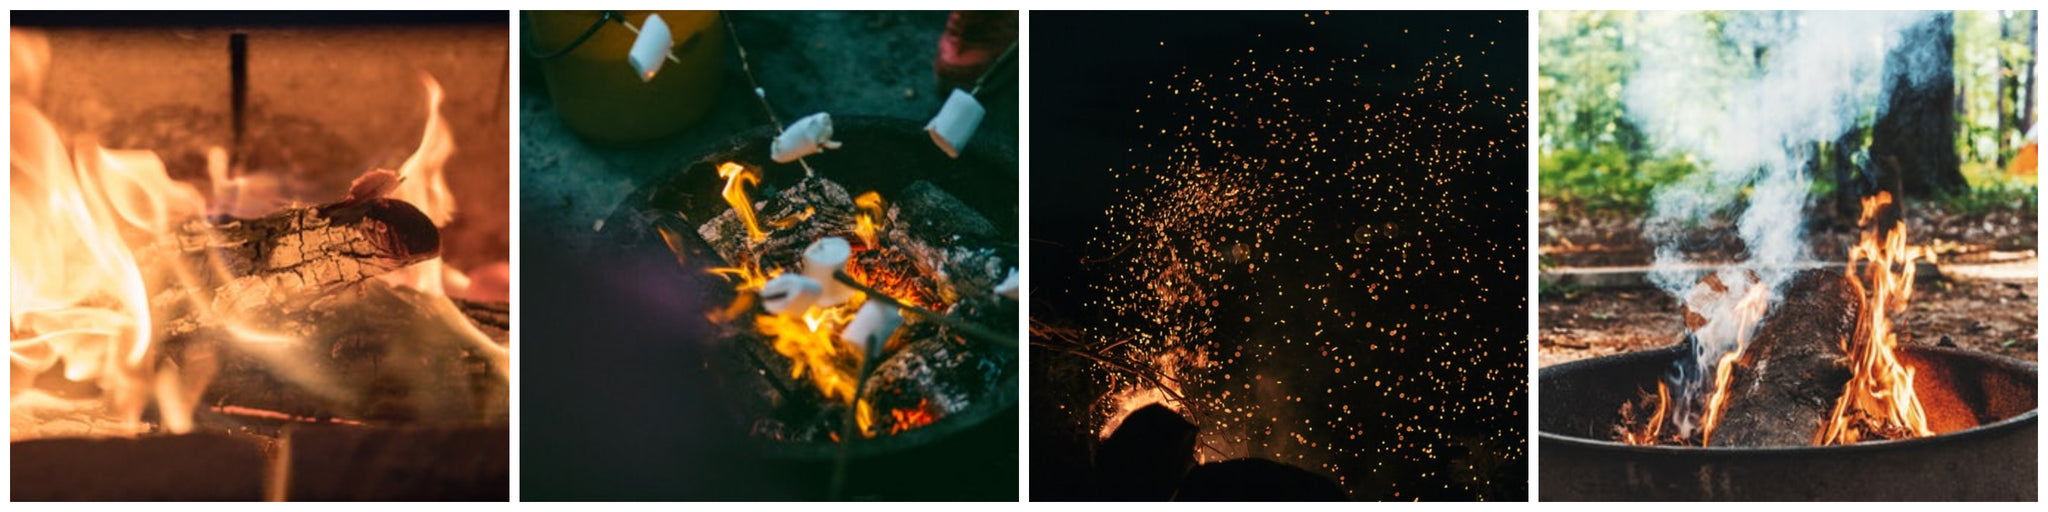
[(238, 90)]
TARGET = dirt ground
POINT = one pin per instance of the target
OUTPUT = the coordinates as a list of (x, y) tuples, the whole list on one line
[(1990, 315), (1995, 317)]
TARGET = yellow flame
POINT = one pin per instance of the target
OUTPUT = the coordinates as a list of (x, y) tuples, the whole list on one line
[(78, 295), (870, 205), (736, 176), (425, 185), (811, 343), (1879, 399)]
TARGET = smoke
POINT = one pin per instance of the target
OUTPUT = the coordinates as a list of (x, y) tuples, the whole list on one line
[(1745, 95)]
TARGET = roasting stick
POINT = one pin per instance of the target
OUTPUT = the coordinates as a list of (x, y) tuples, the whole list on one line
[(849, 423), (760, 94), (968, 329)]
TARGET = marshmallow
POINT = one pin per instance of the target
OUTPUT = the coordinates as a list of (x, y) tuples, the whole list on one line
[(1008, 288), (803, 138), (872, 326), (650, 48), (824, 258), (954, 127), (790, 294)]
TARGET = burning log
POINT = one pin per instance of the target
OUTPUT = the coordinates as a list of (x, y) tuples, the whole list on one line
[(292, 254), (375, 352), (945, 238), (1787, 380), (798, 216)]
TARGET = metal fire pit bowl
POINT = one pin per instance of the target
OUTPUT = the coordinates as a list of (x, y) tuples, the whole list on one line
[(1991, 462), (881, 154)]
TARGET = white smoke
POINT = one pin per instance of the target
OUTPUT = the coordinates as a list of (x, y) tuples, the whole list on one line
[(1746, 94), (1800, 78)]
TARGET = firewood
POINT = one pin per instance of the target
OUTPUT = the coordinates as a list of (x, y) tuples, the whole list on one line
[(793, 218), (276, 261), (370, 352), (947, 240), (1787, 380)]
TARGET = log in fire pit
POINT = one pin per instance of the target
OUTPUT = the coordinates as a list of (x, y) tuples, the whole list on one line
[(1581, 403)]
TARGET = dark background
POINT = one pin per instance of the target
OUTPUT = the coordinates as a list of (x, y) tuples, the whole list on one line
[(1410, 254)]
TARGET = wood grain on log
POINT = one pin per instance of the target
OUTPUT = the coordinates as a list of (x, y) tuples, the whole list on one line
[(1787, 380)]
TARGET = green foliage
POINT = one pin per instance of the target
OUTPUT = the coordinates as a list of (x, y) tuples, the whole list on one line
[(1991, 190), (1606, 177), (1593, 157)]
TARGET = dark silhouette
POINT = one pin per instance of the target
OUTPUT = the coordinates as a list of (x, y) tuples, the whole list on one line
[(1146, 457), (1257, 480)]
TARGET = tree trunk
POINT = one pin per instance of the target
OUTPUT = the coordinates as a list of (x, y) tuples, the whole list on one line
[(2028, 102), (1913, 142)]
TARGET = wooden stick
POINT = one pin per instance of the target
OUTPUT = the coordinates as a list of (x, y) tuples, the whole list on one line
[(970, 330)]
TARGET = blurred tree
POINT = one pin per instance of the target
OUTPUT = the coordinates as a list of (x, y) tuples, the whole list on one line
[(1913, 143)]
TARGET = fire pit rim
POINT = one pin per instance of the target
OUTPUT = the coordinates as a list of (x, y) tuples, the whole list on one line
[(2028, 417)]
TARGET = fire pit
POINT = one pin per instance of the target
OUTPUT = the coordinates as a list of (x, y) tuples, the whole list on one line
[(935, 381), (1581, 400)]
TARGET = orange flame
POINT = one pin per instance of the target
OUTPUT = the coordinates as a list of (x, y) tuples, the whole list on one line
[(1879, 400), (1722, 319), (811, 343), (870, 205), (425, 185), (78, 295), (736, 176)]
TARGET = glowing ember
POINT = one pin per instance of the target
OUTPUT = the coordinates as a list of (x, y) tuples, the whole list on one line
[(1878, 402), (1305, 278)]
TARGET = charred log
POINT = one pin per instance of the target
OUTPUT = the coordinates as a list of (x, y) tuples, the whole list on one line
[(278, 261), (372, 352), (793, 218), (1788, 378)]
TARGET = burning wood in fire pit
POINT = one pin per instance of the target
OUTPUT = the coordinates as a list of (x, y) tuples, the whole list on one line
[(925, 253), (1818, 368)]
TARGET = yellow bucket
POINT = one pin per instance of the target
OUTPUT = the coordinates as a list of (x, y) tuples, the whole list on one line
[(582, 55)]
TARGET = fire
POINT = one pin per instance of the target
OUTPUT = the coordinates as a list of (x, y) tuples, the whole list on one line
[(96, 247), (736, 176), (870, 205), (79, 296), (811, 343), (423, 184), (1878, 401), (1717, 318), (901, 419)]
